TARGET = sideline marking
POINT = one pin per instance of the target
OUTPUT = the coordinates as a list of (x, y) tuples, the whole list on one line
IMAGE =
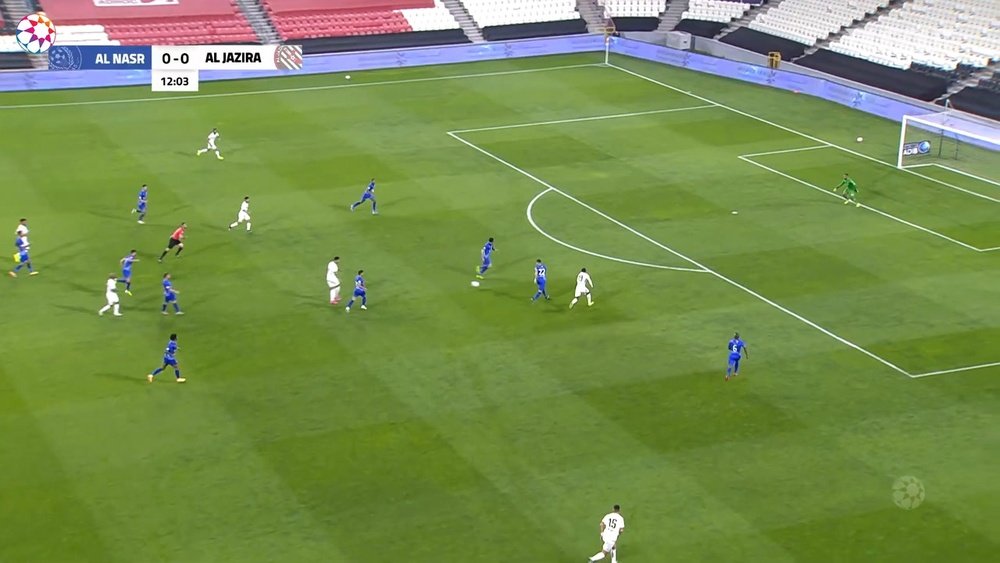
[(290, 90), (795, 132)]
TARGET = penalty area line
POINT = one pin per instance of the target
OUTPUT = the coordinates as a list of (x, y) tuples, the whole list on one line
[(692, 261), (582, 119), (954, 370), (531, 221)]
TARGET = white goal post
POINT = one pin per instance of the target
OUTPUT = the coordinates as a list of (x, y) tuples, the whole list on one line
[(960, 142)]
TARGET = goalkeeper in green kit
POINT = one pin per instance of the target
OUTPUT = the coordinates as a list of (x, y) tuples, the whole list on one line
[(850, 190)]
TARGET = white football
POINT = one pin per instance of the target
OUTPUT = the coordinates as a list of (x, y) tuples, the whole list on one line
[(348, 77), (474, 283), (861, 139)]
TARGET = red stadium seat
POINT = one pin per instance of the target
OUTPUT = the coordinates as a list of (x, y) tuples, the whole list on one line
[(201, 22), (303, 19)]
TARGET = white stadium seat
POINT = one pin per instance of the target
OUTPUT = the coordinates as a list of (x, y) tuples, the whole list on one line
[(506, 12), (808, 21), (938, 33), (633, 8), (431, 19), (715, 10)]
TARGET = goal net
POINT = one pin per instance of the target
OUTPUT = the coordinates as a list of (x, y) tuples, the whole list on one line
[(956, 141)]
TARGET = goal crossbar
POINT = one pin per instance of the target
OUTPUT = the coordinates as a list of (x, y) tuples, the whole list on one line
[(967, 128)]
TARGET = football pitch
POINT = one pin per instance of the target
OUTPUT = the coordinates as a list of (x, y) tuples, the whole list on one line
[(449, 423)]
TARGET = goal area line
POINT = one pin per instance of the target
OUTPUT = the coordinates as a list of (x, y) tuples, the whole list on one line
[(697, 266), (749, 159)]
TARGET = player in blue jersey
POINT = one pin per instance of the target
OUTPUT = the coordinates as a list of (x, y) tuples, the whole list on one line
[(487, 257), (170, 296), (540, 271), (369, 194), (359, 291), (737, 351), (140, 206), (21, 256), (126, 263), (169, 360)]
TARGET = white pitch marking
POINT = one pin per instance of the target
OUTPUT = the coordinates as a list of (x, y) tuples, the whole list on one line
[(708, 270), (963, 173), (580, 119), (790, 130), (872, 209), (531, 220), (954, 370), (801, 149), (303, 89)]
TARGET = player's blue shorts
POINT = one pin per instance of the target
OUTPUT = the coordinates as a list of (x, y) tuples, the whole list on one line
[(141, 207), (367, 195), (541, 284), (734, 359), (127, 274), (359, 293), (170, 298), (169, 361), (23, 257), (487, 262)]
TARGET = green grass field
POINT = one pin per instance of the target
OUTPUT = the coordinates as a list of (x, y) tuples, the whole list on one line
[(453, 424)]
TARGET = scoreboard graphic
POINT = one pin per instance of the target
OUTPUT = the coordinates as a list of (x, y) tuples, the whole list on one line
[(175, 68)]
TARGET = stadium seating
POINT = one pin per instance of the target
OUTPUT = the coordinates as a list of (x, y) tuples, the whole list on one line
[(85, 35), (807, 21), (488, 13), (304, 19), (516, 19), (633, 8), (936, 33), (715, 10), (204, 21)]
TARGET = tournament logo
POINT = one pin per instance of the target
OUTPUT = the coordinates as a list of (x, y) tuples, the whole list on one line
[(288, 57), (35, 33)]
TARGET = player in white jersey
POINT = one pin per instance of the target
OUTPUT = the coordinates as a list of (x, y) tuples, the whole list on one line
[(211, 144), (612, 526), (583, 286), (243, 216), (22, 229), (111, 293), (332, 281)]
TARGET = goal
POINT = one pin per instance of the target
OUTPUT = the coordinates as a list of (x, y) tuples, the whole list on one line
[(956, 141)]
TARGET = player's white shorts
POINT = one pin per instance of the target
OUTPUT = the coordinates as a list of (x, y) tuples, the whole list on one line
[(243, 217), (112, 297), (332, 282), (581, 290), (211, 145), (609, 544)]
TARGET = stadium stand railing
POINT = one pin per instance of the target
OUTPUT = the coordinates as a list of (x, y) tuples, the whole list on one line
[(634, 15), (185, 23), (364, 24), (519, 19)]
